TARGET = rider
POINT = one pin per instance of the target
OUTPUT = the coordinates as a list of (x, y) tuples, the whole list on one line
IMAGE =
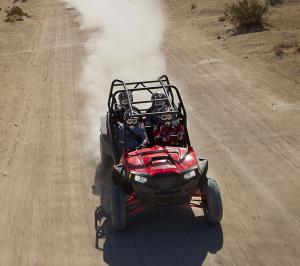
[(152, 120), (169, 132), (123, 105), (135, 132)]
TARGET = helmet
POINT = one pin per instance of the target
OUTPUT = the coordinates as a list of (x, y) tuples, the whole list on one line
[(159, 96), (132, 120), (123, 99)]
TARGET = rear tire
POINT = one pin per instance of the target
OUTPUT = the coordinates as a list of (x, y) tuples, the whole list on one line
[(213, 211), (106, 160), (118, 208)]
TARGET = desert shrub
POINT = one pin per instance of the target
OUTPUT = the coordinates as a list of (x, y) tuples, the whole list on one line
[(15, 13), (247, 15), (15, 10), (193, 6)]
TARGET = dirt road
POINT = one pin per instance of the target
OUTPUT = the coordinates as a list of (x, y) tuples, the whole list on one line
[(245, 120)]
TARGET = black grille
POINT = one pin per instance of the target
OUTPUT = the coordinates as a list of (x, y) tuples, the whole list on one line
[(167, 182)]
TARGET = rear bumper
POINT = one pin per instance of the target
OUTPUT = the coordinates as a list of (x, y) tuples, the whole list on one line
[(154, 197)]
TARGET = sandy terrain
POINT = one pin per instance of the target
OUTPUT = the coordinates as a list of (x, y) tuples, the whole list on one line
[(257, 49), (244, 116)]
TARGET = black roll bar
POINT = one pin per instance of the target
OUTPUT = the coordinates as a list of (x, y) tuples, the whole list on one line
[(127, 95), (161, 83), (166, 91)]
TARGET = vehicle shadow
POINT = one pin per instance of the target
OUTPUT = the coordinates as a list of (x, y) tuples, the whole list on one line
[(102, 185), (157, 236)]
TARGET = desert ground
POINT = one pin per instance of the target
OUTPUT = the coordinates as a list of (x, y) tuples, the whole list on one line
[(243, 104)]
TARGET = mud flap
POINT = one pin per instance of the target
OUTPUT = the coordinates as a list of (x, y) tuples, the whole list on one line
[(203, 166)]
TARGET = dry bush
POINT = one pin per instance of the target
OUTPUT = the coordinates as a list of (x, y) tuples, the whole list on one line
[(15, 10), (193, 6), (247, 15), (15, 13)]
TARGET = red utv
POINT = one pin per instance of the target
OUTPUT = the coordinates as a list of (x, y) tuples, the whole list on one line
[(155, 175)]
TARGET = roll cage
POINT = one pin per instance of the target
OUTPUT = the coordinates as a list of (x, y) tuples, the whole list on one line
[(162, 83)]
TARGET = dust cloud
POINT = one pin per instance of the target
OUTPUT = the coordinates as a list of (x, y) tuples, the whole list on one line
[(124, 43)]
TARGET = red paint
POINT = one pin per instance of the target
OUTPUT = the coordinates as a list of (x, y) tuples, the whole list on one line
[(159, 160)]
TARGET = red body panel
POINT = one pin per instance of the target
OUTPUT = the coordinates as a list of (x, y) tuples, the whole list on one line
[(159, 160)]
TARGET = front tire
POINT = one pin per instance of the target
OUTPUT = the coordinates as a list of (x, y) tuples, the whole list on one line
[(213, 211), (118, 208)]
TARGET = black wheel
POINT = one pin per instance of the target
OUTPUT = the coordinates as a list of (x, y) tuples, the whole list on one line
[(213, 211), (106, 160), (118, 208)]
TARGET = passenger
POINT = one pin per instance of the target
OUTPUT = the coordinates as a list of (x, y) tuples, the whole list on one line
[(123, 105), (135, 132), (152, 120), (170, 132)]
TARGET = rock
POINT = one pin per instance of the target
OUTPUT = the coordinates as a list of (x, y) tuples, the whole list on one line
[(221, 19), (279, 52), (193, 6)]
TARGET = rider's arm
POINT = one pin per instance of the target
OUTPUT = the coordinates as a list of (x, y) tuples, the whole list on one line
[(143, 135), (146, 140)]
